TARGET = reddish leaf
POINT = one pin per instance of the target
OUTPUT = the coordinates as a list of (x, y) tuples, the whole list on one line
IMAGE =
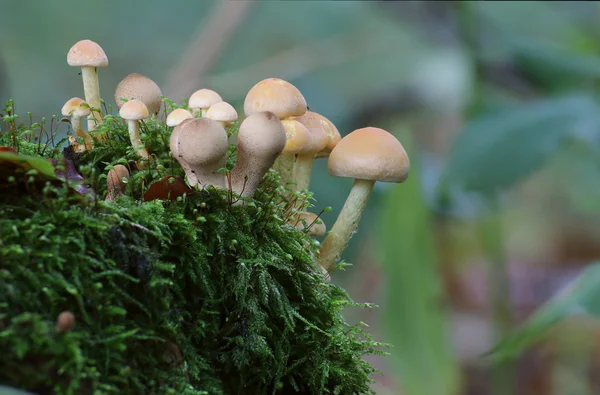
[(70, 174), (169, 188)]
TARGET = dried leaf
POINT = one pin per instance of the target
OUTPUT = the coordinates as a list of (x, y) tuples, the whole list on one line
[(168, 188)]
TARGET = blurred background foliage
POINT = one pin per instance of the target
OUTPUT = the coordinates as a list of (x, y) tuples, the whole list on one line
[(496, 102)]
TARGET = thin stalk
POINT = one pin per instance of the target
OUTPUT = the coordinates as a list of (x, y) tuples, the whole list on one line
[(498, 283)]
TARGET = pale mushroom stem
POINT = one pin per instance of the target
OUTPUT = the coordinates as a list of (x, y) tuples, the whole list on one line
[(284, 165), (91, 89), (346, 223), (302, 171), (209, 176), (136, 141), (204, 111), (247, 174), (77, 124)]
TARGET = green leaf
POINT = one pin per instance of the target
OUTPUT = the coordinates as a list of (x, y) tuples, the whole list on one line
[(43, 166), (581, 296), (414, 315), (496, 151)]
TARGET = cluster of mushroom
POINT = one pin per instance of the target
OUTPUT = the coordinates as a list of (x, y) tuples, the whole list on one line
[(278, 131)]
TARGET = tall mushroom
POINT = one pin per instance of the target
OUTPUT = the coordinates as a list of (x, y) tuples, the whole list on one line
[(200, 146), (367, 155), (285, 101), (133, 111), (115, 185), (89, 56), (222, 112), (201, 100), (76, 109), (260, 141), (137, 86)]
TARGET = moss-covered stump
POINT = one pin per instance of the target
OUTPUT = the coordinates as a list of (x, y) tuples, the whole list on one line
[(184, 296)]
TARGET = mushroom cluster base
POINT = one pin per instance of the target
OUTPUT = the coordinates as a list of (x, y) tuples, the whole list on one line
[(186, 296)]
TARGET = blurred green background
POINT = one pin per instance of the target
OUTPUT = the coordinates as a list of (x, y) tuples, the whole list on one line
[(497, 105)]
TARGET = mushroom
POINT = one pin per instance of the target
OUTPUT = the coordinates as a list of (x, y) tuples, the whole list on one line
[(367, 155), (310, 223), (284, 100), (177, 116), (89, 56), (133, 111), (298, 141), (200, 146), (222, 112), (277, 96), (305, 159), (74, 109), (202, 99), (115, 185), (137, 86), (260, 141), (65, 322)]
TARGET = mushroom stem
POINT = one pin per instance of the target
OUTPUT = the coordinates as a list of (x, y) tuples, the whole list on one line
[(209, 176), (136, 141), (284, 165), (302, 170), (346, 223), (77, 124), (91, 89)]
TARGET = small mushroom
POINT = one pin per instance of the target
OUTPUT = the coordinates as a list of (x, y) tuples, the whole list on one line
[(89, 56), (133, 111), (200, 146), (137, 86), (332, 132), (74, 109), (260, 141), (201, 100), (367, 155), (311, 223), (222, 112), (115, 185), (277, 96), (177, 116), (304, 160), (65, 322), (298, 141)]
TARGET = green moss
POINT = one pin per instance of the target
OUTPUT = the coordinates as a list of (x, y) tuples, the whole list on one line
[(193, 296)]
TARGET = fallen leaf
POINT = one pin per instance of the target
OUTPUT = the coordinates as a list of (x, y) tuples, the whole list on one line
[(168, 188)]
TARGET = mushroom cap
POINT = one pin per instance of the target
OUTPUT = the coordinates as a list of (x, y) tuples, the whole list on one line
[(204, 98), (65, 322), (73, 107), (177, 116), (317, 226), (222, 112), (262, 135), (277, 96), (332, 132), (318, 128), (87, 53), (137, 86), (114, 180), (299, 139), (369, 154), (201, 141), (134, 110)]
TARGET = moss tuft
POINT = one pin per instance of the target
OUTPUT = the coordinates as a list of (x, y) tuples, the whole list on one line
[(191, 296)]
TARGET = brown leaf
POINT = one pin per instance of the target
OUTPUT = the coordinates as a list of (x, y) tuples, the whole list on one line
[(168, 188)]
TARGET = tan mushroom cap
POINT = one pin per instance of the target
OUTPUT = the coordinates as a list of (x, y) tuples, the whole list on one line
[(137, 86), (369, 154), (222, 112), (204, 98), (299, 139), (74, 106), (317, 226), (277, 96), (318, 128), (332, 132), (87, 53), (134, 110), (177, 116)]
